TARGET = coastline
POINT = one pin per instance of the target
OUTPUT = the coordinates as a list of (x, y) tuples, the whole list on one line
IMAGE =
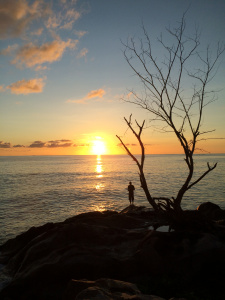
[(117, 246), (51, 189)]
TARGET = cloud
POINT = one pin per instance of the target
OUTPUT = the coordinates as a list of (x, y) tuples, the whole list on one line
[(4, 145), (97, 93), (18, 146), (121, 145), (72, 15), (52, 144), (64, 19), (80, 33), (59, 143), (38, 31), (41, 68), (9, 50), (37, 144), (2, 88), (93, 94), (15, 16), (26, 87), (64, 140), (63, 143), (31, 55), (53, 22), (82, 53)]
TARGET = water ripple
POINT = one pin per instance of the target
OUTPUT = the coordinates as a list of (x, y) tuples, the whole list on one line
[(36, 190)]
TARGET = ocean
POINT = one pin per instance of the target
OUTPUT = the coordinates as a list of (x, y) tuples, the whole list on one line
[(40, 189)]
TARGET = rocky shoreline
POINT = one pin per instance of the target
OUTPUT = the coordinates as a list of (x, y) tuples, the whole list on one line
[(119, 255)]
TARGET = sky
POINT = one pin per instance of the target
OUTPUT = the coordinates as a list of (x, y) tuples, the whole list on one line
[(63, 75)]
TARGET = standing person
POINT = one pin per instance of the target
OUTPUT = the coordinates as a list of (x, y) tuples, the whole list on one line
[(131, 189)]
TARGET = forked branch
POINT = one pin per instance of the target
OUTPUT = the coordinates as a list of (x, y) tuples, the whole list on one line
[(140, 165), (203, 175)]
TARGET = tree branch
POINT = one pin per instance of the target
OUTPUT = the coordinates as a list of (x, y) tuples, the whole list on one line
[(203, 175)]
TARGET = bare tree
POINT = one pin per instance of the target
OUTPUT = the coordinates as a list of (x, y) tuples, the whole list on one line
[(172, 108)]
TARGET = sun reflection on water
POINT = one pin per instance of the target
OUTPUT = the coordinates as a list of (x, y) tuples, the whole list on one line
[(99, 168), (99, 208), (99, 186)]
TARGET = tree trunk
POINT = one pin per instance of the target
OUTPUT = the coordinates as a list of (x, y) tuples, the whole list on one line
[(146, 190)]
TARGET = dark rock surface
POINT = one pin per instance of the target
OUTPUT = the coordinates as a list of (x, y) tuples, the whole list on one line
[(104, 289), (211, 210), (90, 246)]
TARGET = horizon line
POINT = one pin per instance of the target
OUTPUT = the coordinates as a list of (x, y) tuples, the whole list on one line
[(211, 153)]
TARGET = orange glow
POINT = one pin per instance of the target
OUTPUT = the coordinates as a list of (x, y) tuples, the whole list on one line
[(101, 143), (98, 147)]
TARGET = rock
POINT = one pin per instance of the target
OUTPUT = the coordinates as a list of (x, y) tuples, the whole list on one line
[(178, 254), (207, 206), (105, 289), (211, 211), (137, 210), (13, 246), (221, 222), (177, 298), (112, 245)]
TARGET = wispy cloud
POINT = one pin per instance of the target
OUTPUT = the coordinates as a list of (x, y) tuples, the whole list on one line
[(41, 68), (64, 19), (80, 33), (2, 88), (15, 16), (31, 55), (92, 94), (9, 50), (38, 32), (26, 87), (53, 22), (83, 52), (35, 21), (72, 15)]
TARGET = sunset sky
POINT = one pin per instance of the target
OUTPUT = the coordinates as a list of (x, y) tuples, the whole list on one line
[(63, 73)]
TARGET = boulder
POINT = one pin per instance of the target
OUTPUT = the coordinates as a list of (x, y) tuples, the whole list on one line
[(211, 211)]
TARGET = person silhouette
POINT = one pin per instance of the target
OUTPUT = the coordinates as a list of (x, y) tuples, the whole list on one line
[(131, 189)]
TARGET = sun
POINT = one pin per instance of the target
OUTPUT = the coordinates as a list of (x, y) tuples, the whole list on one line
[(98, 147)]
